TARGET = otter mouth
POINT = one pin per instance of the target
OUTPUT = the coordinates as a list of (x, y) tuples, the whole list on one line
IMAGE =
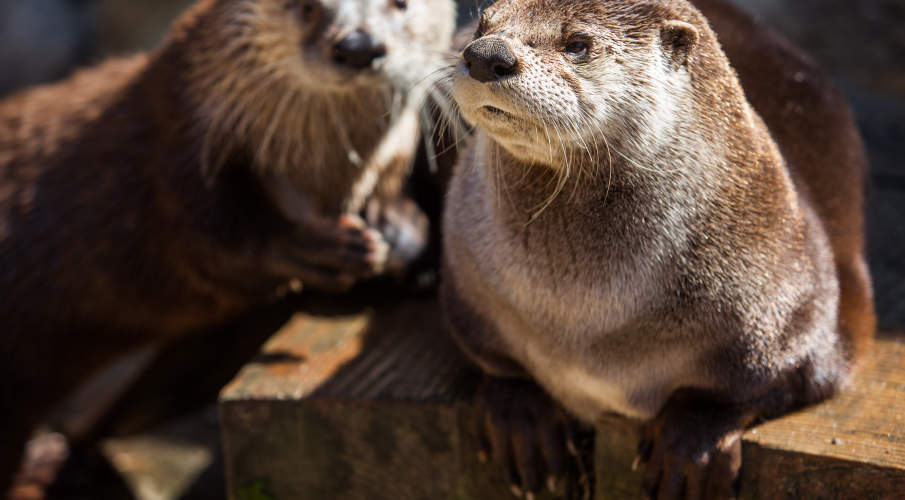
[(496, 112)]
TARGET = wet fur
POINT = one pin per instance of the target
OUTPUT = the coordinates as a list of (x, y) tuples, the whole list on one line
[(649, 237), (168, 192)]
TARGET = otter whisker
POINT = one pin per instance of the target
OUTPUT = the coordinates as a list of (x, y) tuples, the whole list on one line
[(454, 124), (431, 78), (562, 176), (583, 123), (425, 121), (263, 153), (574, 126), (339, 128), (450, 118), (224, 123)]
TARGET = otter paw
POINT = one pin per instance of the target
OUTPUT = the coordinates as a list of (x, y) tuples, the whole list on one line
[(363, 248), (528, 436), (44, 456), (691, 453), (404, 227), (328, 255)]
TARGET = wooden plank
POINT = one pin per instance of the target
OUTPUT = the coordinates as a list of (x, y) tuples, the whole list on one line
[(373, 403), (355, 406)]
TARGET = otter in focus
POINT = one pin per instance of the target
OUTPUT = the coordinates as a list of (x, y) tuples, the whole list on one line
[(626, 229), (171, 191)]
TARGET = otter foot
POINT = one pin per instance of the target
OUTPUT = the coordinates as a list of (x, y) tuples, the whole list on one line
[(529, 437), (693, 450), (404, 227), (44, 456), (331, 255)]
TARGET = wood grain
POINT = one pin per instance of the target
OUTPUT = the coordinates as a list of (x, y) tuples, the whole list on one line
[(372, 403)]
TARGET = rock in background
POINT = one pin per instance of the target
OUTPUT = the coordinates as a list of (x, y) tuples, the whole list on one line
[(41, 40), (125, 26)]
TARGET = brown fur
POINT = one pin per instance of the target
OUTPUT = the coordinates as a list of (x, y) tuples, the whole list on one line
[(814, 127), (661, 248), (168, 192)]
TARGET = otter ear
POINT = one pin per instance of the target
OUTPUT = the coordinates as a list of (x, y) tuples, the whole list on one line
[(679, 40)]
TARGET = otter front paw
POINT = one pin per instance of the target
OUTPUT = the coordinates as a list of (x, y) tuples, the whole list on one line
[(530, 438), (330, 255), (44, 457), (693, 450), (404, 227), (363, 250)]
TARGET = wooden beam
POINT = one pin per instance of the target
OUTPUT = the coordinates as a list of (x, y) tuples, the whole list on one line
[(373, 404)]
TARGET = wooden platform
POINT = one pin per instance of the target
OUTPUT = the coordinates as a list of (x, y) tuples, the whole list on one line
[(372, 403)]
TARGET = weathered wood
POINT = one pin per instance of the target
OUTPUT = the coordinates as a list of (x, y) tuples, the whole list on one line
[(373, 404)]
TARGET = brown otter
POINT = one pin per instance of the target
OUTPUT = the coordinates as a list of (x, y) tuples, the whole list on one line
[(640, 235), (171, 191)]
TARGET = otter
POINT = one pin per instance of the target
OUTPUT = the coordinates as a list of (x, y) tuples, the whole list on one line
[(640, 230), (171, 191)]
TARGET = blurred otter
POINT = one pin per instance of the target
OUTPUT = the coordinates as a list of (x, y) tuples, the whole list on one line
[(169, 192), (640, 235)]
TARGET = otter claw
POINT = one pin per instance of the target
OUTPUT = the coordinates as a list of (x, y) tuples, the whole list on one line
[(380, 250), (526, 435), (352, 221)]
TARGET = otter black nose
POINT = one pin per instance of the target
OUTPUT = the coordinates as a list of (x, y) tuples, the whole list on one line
[(358, 50), (489, 59)]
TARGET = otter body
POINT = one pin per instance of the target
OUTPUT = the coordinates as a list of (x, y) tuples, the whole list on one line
[(169, 192), (624, 229)]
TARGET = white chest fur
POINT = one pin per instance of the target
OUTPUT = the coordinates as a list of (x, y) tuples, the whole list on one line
[(569, 331)]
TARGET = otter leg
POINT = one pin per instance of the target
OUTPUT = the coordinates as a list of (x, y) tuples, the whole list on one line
[(404, 227), (44, 456), (328, 254), (476, 336), (531, 438), (526, 433), (398, 218), (693, 448)]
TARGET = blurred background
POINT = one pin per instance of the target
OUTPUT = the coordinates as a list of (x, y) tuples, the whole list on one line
[(860, 43)]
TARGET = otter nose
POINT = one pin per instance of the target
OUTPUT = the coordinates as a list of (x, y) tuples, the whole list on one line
[(358, 50), (489, 59)]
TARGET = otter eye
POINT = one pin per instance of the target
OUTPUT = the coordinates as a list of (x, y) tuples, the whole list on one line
[(401, 4), (577, 48)]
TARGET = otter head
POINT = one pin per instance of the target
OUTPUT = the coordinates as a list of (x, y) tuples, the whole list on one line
[(547, 77), (338, 45), (292, 82)]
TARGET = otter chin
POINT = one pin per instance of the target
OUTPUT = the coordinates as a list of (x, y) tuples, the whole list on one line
[(632, 233)]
